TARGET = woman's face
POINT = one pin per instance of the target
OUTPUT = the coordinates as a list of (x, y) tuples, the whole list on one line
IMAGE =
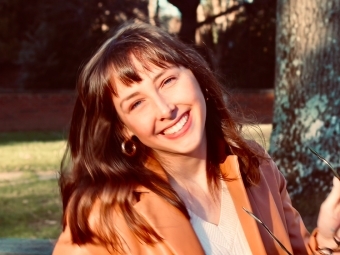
[(166, 110)]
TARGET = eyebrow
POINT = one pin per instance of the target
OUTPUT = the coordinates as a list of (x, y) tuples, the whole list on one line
[(160, 74), (153, 80), (128, 97)]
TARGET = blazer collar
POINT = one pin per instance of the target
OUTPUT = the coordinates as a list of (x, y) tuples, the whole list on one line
[(230, 169)]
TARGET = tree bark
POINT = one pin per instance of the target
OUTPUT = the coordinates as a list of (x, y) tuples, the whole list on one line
[(307, 92)]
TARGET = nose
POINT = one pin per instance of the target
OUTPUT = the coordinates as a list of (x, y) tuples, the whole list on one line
[(164, 108)]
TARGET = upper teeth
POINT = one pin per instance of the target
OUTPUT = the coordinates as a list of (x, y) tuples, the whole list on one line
[(178, 126)]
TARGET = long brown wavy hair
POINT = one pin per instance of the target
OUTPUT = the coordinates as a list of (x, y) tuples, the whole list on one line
[(94, 167)]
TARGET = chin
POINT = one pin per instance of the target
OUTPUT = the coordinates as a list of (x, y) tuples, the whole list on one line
[(191, 148)]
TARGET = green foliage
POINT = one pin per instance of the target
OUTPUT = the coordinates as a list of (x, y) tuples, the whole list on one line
[(50, 40), (248, 47), (61, 35), (9, 31)]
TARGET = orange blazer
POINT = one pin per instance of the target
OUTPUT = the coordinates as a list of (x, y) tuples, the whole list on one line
[(269, 201)]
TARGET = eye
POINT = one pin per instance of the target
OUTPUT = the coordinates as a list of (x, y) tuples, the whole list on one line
[(168, 80), (135, 105)]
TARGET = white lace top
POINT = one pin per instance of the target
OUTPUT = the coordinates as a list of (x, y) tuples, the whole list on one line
[(226, 238)]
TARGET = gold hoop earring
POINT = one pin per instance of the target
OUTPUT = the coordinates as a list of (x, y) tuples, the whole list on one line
[(129, 150)]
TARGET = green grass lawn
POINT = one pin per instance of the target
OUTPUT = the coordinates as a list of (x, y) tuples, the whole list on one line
[(30, 209), (29, 196), (31, 152)]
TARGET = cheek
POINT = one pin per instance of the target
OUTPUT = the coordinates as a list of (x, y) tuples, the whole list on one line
[(193, 89), (195, 94), (140, 125), (200, 100)]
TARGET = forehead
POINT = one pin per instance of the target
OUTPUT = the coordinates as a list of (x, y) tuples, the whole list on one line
[(125, 77)]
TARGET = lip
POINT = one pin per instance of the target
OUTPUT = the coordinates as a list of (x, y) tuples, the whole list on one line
[(183, 130)]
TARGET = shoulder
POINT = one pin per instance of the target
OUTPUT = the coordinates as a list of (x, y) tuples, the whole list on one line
[(118, 225), (65, 245), (268, 169), (271, 172)]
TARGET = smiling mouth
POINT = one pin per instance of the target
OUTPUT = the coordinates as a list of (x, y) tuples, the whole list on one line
[(178, 126)]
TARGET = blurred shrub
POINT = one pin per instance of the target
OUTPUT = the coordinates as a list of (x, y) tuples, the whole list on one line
[(248, 47), (57, 36)]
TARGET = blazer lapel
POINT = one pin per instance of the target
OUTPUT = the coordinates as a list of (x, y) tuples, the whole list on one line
[(264, 207), (171, 224), (230, 170)]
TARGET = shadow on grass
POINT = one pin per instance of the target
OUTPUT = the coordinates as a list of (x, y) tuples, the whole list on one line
[(19, 137)]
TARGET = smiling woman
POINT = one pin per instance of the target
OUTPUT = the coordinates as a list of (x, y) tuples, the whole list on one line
[(159, 165), (165, 110)]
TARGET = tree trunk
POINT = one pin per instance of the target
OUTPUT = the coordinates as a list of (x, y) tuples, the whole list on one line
[(307, 92), (189, 19)]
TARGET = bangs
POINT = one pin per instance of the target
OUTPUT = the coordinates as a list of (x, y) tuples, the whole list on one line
[(123, 68)]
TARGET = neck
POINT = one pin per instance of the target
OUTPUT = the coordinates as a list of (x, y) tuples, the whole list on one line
[(187, 175), (186, 170)]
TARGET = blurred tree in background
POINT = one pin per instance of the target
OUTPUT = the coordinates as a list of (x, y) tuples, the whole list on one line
[(57, 36), (237, 37), (48, 41), (245, 45), (9, 31), (188, 10)]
